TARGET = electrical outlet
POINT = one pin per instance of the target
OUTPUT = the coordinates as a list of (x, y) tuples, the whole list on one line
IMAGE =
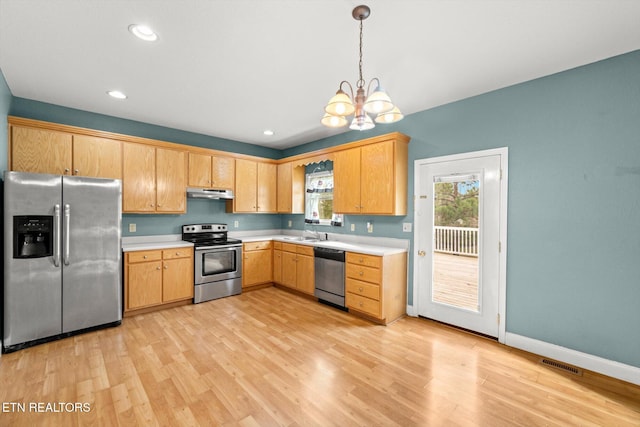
[(406, 227), (132, 228), (369, 227), (353, 227), (236, 224), (290, 223)]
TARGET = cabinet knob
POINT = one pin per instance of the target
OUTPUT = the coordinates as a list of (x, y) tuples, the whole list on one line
[(177, 253), (145, 257), (157, 268), (76, 171), (361, 304), (66, 171), (166, 267), (151, 205), (360, 289), (361, 260), (361, 273)]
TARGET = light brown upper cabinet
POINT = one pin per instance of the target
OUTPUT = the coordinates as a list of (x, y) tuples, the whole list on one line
[(255, 189), (211, 171), (97, 157), (153, 179), (61, 153), (371, 179), (290, 188), (41, 151)]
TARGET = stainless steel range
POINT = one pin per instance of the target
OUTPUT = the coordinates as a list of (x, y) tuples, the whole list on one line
[(218, 261)]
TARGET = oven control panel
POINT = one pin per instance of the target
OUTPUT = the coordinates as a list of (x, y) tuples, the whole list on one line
[(203, 228)]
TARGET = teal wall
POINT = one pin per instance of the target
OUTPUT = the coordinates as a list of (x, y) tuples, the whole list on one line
[(574, 196), (5, 104), (198, 211)]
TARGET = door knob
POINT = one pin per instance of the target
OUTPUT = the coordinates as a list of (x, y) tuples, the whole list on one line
[(422, 253)]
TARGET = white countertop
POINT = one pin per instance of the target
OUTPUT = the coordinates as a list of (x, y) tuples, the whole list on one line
[(149, 243), (361, 244), (373, 248)]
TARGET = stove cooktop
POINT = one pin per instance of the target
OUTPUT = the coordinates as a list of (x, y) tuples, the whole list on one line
[(207, 235)]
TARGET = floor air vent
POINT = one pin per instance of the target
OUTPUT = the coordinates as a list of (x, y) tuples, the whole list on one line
[(562, 366)]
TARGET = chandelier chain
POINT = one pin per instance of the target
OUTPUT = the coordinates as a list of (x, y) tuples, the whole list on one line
[(360, 82)]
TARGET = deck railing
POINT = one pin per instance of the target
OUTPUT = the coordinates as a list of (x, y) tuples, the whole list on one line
[(456, 240)]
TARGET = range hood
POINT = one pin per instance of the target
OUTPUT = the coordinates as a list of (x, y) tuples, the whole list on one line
[(209, 193)]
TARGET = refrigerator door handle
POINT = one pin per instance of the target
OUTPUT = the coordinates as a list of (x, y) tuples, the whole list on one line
[(56, 235), (65, 231)]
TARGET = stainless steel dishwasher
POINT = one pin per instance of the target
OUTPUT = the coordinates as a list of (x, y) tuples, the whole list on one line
[(329, 275)]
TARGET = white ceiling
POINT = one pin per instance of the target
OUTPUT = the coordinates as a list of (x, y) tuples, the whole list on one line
[(233, 68)]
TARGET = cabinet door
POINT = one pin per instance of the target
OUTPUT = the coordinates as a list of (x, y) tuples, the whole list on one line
[(223, 171), (138, 178), (97, 157), (277, 266), (346, 181), (40, 151), (199, 170), (305, 278), (171, 175), (246, 186), (256, 268), (267, 183), (177, 279), (289, 261), (284, 188), (377, 178), (144, 284)]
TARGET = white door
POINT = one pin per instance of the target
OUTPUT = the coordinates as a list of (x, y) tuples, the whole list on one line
[(460, 235)]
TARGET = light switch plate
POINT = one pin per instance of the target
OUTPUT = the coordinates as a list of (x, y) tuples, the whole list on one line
[(290, 223), (353, 227), (132, 228), (369, 227), (236, 224)]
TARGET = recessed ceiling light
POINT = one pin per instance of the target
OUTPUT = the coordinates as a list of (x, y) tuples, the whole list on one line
[(269, 132), (117, 94), (143, 32)]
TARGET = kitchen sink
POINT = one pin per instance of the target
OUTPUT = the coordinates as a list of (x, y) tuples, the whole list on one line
[(301, 239)]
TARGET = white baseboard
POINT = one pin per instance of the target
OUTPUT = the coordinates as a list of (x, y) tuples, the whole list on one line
[(593, 363)]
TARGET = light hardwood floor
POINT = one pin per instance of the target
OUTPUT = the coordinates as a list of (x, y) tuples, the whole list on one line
[(269, 357)]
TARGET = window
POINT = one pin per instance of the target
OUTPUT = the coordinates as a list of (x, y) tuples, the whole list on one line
[(319, 197)]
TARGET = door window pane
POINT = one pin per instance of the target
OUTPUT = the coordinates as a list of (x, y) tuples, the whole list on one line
[(455, 245)]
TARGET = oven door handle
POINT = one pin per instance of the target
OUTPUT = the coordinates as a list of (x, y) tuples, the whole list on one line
[(218, 248)]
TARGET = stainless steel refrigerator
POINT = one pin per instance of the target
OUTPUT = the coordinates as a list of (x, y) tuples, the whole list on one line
[(62, 257)]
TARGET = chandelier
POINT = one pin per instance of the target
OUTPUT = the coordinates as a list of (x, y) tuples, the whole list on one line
[(376, 103)]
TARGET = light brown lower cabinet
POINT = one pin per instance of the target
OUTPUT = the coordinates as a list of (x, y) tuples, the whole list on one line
[(376, 286), (296, 267), (157, 277), (256, 264)]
